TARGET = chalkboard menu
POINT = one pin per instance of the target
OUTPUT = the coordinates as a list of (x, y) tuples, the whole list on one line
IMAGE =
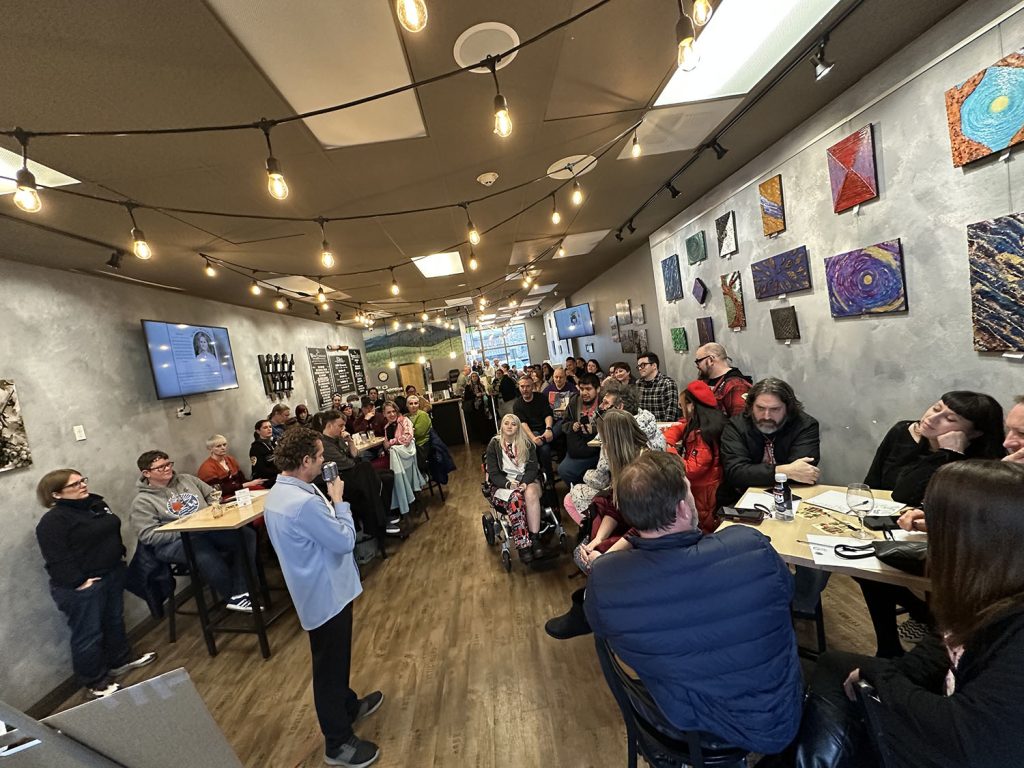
[(320, 367), (356, 356), (341, 370)]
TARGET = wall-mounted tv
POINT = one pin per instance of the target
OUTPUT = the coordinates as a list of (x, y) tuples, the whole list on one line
[(574, 322), (189, 359)]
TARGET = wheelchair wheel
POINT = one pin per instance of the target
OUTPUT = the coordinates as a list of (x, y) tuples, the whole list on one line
[(506, 561), (488, 529)]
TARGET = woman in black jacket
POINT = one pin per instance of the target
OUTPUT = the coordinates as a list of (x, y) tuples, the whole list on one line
[(261, 453), (514, 475), (80, 539)]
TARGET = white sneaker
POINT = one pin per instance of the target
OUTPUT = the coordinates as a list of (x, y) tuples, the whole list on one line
[(102, 690), (240, 602), (143, 660)]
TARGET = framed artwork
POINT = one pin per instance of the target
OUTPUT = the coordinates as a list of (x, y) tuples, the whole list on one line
[(613, 322), (628, 341), (673, 281), (589, 348), (696, 248), (773, 210), (984, 112), (623, 315), (700, 290), (638, 315), (851, 170), (725, 228), (867, 281), (995, 250), (732, 292), (14, 449), (705, 330), (784, 323), (786, 273), (642, 347), (679, 342)]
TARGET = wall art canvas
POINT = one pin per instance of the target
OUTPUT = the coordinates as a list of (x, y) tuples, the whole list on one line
[(732, 291), (725, 228), (773, 211), (851, 170), (14, 450), (867, 281), (613, 322), (638, 315), (985, 113), (627, 339), (786, 273), (679, 341), (673, 281), (784, 323), (705, 330), (696, 248), (622, 313), (995, 251), (642, 346), (700, 290)]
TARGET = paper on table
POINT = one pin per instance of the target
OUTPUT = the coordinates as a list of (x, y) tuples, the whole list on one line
[(750, 498), (836, 501), (824, 552)]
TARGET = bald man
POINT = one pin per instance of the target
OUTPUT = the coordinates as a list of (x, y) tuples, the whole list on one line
[(729, 384)]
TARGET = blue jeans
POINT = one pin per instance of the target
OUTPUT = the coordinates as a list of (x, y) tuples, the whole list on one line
[(96, 618), (571, 470), (217, 556)]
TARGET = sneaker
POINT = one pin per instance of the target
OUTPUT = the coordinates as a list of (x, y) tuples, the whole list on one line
[(395, 520), (143, 660), (240, 603), (912, 631), (369, 704), (393, 529), (354, 753), (102, 690)]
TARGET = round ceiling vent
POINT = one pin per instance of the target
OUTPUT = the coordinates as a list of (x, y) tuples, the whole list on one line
[(482, 40), (487, 178), (581, 164)]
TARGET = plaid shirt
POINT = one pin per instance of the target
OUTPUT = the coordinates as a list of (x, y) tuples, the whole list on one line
[(660, 396)]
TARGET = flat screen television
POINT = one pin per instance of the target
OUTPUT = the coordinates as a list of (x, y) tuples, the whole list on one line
[(189, 359), (574, 322)]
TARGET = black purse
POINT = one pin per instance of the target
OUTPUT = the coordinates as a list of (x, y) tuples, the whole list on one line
[(908, 556)]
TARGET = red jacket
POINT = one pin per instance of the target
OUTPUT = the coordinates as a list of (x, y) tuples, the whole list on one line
[(731, 391), (703, 470)]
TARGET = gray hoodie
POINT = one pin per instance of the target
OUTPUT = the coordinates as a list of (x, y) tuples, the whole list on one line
[(155, 506)]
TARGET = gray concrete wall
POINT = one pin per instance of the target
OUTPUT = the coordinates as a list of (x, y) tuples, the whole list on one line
[(74, 347), (859, 375)]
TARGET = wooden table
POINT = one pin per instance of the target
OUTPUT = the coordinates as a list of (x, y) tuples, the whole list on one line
[(788, 539), (235, 518)]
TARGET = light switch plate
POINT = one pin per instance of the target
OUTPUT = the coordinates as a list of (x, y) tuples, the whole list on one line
[(79, 432)]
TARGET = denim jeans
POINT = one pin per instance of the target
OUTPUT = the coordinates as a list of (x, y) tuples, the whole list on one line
[(217, 556), (96, 618), (571, 470)]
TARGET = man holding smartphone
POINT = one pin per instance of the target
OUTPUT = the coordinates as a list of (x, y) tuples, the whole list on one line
[(315, 540)]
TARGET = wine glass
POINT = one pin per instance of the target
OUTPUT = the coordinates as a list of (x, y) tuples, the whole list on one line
[(861, 502)]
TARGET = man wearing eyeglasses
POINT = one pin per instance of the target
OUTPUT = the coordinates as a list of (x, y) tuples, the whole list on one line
[(658, 393), (163, 496), (728, 384)]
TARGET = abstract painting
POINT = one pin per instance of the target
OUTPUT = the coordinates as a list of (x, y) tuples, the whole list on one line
[(696, 248), (725, 228), (638, 315), (670, 274), (622, 313), (628, 341), (14, 450), (679, 342), (732, 290), (995, 249), (851, 170), (773, 212), (985, 113), (784, 323), (867, 281), (700, 290), (705, 330), (785, 273), (642, 346)]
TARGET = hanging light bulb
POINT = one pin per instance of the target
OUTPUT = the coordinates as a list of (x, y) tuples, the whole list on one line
[(412, 14), (688, 58), (255, 289), (320, 295), (26, 197), (326, 255), (636, 150), (556, 217), (423, 329), (139, 245), (408, 326), (502, 118), (394, 283), (421, 359), (209, 270), (473, 263), (577, 193), (423, 315), (392, 365), (451, 355), (396, 325), (276, 185), (279, 303), (527, 279), (561, 250), (472, 233), (512, 303), (702, 10)]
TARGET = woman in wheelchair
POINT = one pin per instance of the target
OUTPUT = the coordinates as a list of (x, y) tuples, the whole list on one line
[(514, 475)]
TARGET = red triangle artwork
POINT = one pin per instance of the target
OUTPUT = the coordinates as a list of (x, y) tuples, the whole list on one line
[(851, 170)]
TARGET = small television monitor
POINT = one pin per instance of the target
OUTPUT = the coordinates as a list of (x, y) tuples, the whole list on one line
[(574, 322), (189, 359)]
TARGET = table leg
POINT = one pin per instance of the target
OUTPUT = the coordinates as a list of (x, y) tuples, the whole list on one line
[(261, 574), (251, 584), (197, 586)]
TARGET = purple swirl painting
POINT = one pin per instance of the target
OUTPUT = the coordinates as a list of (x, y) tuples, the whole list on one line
[(786, 273), (867, 281)]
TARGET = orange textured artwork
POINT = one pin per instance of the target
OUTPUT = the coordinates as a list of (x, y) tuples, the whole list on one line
[(773, 212), (985, 113)]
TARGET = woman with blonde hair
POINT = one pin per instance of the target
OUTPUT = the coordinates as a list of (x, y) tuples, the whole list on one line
[(513, 472), (221, 470)]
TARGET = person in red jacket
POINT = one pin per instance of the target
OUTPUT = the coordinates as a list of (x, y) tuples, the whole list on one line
[(695, 437), (728, 384)]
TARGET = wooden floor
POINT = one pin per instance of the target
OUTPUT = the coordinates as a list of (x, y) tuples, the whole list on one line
[(459, 649)]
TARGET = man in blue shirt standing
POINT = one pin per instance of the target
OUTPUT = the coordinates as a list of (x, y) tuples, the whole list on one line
[(314, 539)]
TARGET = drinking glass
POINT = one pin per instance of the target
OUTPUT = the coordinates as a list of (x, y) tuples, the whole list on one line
[(861, 502)]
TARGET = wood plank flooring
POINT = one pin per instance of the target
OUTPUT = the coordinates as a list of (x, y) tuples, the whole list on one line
[(459, 649)]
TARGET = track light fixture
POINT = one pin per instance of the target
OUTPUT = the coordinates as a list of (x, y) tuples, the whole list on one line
[(672, 190), (326, 255), (394, 283), (140, 247), (114, 262), (630, 227), (472, 233), (618, 235), (276, 185), (577, 193), (822, 66), (502, 118), (556, 217), (718, 149), (26, 197), (687, 56), (636, 150), (412, 14), (209, 270)]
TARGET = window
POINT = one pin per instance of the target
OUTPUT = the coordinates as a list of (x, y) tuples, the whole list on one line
[(505, 344)]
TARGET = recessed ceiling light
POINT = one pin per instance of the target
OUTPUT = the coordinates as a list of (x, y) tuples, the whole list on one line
[(10, 164), (439, 264)]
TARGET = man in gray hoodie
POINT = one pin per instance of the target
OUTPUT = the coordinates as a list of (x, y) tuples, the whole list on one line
[(163, 496)]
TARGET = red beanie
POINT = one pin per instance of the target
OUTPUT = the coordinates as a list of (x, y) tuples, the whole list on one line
[(702, 393)]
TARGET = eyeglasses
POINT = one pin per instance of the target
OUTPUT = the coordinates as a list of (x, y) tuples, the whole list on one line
[(700, 360), (642, 365), (162, 467), (77, 484)]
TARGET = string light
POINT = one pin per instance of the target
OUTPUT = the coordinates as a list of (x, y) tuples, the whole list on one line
[(527, 279), (424, 316), (27, 195), (396, 325), (320, 295), (209, 270), (276, 185), (279, 303), (412, 14), (421, 359), (255, 289), (408, 326), (326, 256), (702, 10), (140, 247), (556, 217), (394, 283), (687, 57), (512, 303), (636, 150), (502, 118), (561, 249), (392, 365), (577, 193), (473, 263), (472, 233), (423, 329)]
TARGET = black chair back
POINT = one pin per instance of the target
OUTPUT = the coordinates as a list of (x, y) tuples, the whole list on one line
[(874, 719)]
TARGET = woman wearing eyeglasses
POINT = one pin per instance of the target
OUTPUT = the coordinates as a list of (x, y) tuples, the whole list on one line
[(80, 539)]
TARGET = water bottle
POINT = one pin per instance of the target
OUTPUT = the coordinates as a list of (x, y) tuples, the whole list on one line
[(783, 499)]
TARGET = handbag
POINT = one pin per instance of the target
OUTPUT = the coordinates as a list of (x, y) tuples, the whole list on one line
[(908, 556)]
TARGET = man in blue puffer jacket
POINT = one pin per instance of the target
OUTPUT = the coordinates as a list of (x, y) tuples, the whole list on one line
[(703, 620)]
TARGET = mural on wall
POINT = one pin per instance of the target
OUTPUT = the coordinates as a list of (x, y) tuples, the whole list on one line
[(622, 313), (785, 273), (732, 291), (773, 211), (700, 290), (867, 281), (705, 330), (679, 341), (985, 113), (851, 170), (995, 249), (673, 281), (14, 450), (725, 228), (784, 323), (406, 344), (696, 248)]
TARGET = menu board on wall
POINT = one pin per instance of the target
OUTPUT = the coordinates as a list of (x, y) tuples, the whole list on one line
[(320, 367), (341, 370), (356, 356)]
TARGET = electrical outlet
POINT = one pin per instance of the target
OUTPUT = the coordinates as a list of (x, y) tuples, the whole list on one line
[(79, 432)]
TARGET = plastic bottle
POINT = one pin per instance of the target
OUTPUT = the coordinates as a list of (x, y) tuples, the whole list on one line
[(783, 499)]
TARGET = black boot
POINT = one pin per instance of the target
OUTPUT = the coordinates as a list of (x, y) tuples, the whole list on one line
[(525, 555), (537, 547), (571, 624)]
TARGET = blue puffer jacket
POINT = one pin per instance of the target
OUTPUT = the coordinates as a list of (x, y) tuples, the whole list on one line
[(704, 621)]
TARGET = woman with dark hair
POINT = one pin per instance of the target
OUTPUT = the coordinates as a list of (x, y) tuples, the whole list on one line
[(475, 407), (622, 373), (594, 367), (547, 371), (696, 437), (261, 453), (302, 415)]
